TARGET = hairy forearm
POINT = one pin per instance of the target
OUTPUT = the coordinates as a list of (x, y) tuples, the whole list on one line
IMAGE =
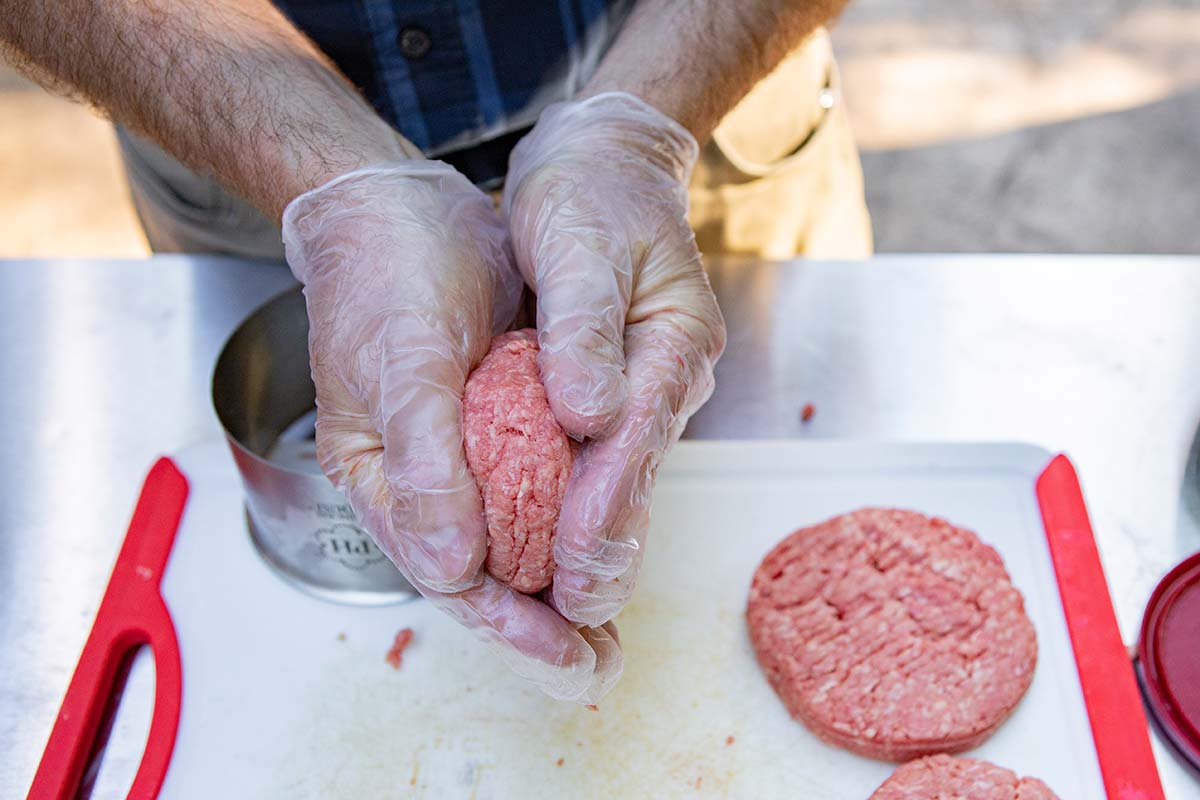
[(229, 87), (695, 59)]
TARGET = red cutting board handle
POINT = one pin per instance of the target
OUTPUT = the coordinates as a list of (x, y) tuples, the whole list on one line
[(1110, 691), (132, 613)]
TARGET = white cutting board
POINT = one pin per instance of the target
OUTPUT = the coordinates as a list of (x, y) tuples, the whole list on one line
[(275, 704)]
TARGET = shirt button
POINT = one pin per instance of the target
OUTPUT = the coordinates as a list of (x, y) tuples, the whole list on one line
[(415, 42)]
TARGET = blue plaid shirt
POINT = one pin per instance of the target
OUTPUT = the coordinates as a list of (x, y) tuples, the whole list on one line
[(456, 76)]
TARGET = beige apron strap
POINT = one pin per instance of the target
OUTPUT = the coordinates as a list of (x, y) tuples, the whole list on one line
[(781, 175)]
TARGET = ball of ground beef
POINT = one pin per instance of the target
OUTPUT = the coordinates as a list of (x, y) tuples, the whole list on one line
[(520, 457)]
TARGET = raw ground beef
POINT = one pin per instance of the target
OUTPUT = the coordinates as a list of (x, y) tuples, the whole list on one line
[(945, 778), (891, 634), (521, 459), (395, 655)]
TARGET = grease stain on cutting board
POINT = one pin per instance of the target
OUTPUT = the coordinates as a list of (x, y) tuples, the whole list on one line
[(420, 734)]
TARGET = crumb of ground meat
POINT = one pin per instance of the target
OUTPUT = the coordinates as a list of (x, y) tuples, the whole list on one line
[(728, 740), (395, 655), (590, 707), (560, 762), (807, 412)]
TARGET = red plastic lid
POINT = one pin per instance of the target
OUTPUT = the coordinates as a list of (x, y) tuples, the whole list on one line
[(1169, 658)]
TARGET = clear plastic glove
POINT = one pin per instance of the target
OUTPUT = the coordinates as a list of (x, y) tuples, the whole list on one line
[(628, 326), (407, 275)]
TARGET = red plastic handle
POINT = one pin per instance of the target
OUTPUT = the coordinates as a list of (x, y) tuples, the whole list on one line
[(132, 613), (1110, 690)]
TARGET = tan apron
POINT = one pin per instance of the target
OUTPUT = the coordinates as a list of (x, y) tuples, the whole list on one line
[(781, 175)]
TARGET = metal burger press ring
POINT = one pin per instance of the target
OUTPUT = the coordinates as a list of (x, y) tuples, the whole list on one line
[(302, 526)]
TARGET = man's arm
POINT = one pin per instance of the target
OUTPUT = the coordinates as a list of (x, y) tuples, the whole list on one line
[(230, 87), (695, 60)]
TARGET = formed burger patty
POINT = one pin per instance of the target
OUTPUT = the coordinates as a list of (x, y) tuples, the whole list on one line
[(945, 778), (891, 634), (520, 457)]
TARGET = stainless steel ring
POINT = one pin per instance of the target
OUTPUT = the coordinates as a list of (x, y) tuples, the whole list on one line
[(301, 525)]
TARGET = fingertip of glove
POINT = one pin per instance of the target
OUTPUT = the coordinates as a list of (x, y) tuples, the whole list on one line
[(610, 662), (446, 584), (586, 385), (568, 676), (593, 676), (446, 571), (591, 414), (588, 602)]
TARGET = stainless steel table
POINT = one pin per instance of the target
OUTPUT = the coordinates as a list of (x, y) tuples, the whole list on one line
[(105, 364)]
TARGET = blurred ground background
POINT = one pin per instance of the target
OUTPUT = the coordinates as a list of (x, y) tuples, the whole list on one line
[(985, 125), (1027, 125)]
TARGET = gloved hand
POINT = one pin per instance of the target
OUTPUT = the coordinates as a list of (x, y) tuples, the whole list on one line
[(407, 275), (628, 327)]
